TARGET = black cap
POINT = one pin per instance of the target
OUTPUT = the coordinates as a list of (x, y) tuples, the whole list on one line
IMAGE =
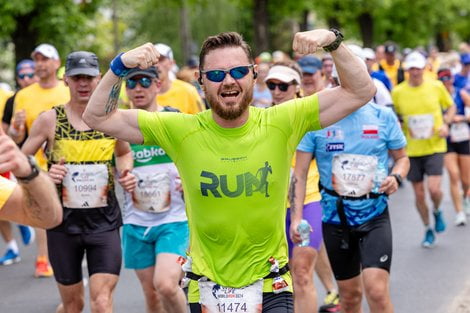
[(390, 48), (82, 63), (149, 72)]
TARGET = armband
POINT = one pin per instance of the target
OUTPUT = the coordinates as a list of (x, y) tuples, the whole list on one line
[(117, 67)]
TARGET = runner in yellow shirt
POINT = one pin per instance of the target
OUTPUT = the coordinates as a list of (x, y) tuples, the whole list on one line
[(419, 103), (175, 92)]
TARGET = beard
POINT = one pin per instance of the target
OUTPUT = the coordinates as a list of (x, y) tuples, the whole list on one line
[(230, 111)]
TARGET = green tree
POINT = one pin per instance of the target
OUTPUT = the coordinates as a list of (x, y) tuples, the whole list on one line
[(65, 24)]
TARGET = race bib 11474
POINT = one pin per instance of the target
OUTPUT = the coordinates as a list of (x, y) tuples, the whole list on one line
[(219, 299)]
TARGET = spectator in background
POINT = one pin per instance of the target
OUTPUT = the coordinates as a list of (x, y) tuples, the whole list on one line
[(461, 79), (392, 65), (327, 70), (175, 92), (261, 96)]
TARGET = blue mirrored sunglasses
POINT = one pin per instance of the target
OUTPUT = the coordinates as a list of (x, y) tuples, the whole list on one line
[(236, 72), (22, 76), (144, 82)]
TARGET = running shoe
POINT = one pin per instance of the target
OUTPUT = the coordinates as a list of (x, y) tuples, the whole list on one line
[(10, 257), (43, 268), (429, 239), (460, 219), (331, 303), (440, 225), (27, 234)]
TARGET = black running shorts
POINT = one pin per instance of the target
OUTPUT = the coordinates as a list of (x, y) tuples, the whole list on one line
[(370, 245), (461, 148), (66, 251), (430, 165)]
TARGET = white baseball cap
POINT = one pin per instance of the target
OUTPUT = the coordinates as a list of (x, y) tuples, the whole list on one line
[(283, 73), (164, 50), (368, 54), (416, 60), (47, 50)]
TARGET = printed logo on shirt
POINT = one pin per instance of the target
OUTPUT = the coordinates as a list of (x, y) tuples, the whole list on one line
[(334, 133), (148, 155), (335, 146), (370, 131), (246, 183)]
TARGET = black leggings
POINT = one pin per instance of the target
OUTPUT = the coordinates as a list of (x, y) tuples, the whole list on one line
[(272, 303)]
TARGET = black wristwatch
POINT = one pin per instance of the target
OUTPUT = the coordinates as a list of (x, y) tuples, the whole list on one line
[(335, 44), (34, 171), (398, 178)]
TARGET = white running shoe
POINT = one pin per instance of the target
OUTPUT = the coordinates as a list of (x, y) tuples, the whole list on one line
[(460, 219)]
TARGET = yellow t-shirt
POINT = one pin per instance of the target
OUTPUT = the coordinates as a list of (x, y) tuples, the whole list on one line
[(34, 100), (182, 96), (391, 70), (312, 193), (6, 189), (430, 98), (4, 95)]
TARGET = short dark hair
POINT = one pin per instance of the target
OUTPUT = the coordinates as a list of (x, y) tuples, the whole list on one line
[(224, 40)]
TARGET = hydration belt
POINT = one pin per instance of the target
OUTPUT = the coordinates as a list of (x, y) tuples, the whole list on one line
[(283, 270), (342, 215)]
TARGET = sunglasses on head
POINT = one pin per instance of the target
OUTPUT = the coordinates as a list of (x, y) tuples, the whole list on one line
[(281, 86), (22, 76), (144, 82), (236, 72)]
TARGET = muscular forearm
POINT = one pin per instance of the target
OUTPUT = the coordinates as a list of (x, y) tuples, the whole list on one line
[(41, 206), (352, 73), (104, 100)]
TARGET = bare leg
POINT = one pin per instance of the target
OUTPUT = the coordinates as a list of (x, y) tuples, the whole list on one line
[(303, 262), (101, 292), (153, 303), (73, 298), (168, 273), (350, 293), (420, 199), (376, 284)]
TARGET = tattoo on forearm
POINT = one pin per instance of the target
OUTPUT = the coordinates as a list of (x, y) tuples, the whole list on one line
[(113, 98), (292, 194)]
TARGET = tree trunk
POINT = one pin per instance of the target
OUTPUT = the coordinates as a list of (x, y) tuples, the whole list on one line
[(24, 37), (185, 33), (366, 25), (261, 26), (443, 41), (304, 24)]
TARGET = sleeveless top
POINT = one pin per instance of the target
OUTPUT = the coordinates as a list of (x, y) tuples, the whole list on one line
[(87, 191)]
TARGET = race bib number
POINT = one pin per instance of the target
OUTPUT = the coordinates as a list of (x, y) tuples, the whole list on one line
[(459, 132), (218, 299), (421, 126), (85, 186), (152, 193), (353, 174)]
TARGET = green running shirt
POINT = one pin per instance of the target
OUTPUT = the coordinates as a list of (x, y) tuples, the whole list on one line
[(235, 182)]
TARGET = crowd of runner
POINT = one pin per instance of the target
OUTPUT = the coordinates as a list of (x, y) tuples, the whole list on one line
[(227, 183)]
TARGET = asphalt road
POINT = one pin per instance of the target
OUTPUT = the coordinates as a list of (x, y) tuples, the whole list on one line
[(422, 280)]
